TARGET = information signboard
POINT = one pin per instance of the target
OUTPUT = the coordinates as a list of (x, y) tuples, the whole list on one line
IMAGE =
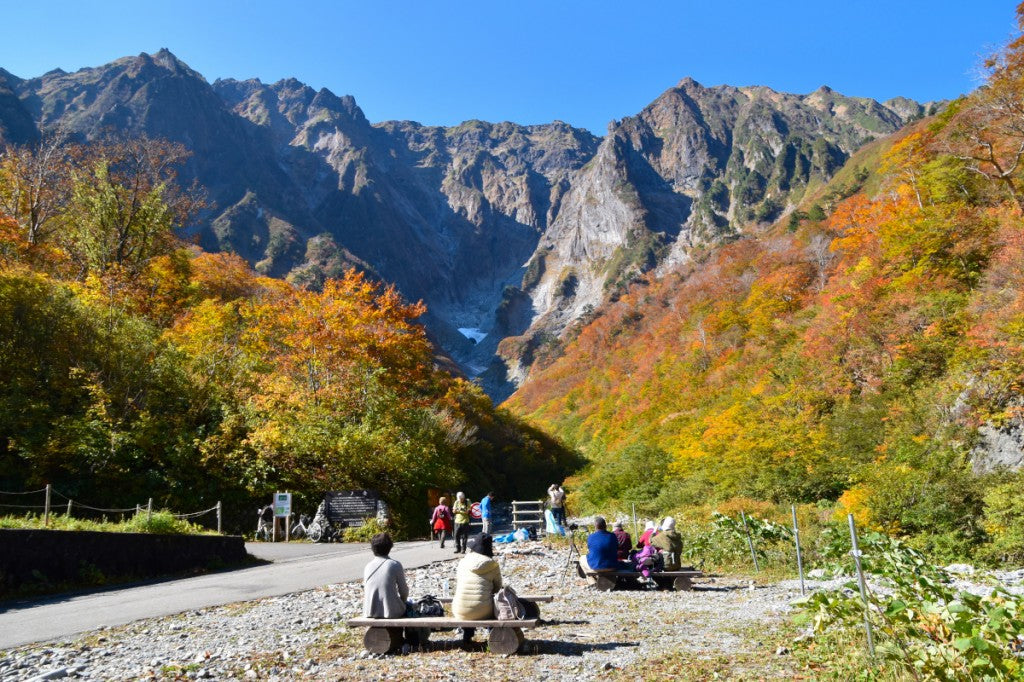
[(282, 504), (351, 508)]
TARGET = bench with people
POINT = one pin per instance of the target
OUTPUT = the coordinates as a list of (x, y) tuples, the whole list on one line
[(393, 622), (611, 560)]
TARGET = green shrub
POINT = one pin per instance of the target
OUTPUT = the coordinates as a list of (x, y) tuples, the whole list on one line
[(162, 523), (921, 624), (1003, 520), (365, 532)]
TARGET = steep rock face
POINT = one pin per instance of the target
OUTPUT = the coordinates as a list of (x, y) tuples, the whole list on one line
[(694, 167), (16, 124), (505, 231)]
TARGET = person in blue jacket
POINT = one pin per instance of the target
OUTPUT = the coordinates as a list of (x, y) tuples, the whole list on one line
[(485, 512), (603, 549)]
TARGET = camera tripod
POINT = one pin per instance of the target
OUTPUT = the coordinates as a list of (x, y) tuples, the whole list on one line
[(573, 551)]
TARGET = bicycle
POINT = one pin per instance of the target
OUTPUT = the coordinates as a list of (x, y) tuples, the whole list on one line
[(265, 523), (321, 529), (301, 529)]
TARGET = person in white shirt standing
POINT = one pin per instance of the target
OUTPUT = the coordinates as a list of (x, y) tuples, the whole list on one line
[(557, 503)]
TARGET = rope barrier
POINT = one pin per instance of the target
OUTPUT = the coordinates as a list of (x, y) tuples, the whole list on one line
[(29, 492), (194, 514), (111, 511), (79, 505)]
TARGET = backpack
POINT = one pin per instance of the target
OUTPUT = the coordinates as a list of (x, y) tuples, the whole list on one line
[(507, 605), (649, 560), (426, 607)]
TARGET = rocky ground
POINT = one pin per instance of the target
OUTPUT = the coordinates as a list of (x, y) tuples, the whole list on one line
[(727, 625), (303, 635)]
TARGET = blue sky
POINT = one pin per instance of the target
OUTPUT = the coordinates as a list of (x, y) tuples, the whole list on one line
[(442, 62)]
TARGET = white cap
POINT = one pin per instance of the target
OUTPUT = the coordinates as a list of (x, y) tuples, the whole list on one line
[(668, 524)]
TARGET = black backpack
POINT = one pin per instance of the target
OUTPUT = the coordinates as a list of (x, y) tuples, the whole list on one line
[(427, 606)]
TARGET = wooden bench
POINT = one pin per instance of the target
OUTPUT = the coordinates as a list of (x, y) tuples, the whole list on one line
[(666, 580), (385, 634), (529, 601)]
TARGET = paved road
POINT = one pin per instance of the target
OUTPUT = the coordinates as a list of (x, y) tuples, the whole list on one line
[(295, 567)]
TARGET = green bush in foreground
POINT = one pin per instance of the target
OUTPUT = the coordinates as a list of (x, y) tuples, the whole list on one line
[(162, 523), (364, 532), (921, 623)]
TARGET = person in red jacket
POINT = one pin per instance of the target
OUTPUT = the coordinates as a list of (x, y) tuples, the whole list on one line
[(645, 537), (441, 520)]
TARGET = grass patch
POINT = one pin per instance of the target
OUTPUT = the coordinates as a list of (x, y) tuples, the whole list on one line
[(162, 523)]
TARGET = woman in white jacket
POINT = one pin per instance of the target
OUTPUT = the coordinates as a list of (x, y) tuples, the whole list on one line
[(477, 579)]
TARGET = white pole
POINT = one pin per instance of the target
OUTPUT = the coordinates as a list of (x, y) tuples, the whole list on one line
[(750, 542), (46, 507), (799, 558), (218, 516), (863, 587)]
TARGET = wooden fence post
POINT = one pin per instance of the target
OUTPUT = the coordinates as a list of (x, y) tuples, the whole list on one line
[(219, 517), (46, 507)]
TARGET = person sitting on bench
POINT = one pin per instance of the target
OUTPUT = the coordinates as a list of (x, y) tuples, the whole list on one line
[(477, 579), (622, 537), (385, 592), (645, 537), (670, 542), (602, 550)]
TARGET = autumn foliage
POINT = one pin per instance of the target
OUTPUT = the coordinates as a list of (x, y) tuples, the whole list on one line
[(134, 365), (850, 359)]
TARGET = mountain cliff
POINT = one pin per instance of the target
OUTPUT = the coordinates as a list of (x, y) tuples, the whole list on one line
[(508, 233)]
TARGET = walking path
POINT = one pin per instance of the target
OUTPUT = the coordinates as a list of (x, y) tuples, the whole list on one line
[(294, 567)]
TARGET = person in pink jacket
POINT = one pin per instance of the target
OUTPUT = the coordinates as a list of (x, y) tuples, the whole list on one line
[(441, 520)]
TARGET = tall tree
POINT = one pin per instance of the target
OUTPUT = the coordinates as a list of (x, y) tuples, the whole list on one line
[(34, 188), (126, 205)]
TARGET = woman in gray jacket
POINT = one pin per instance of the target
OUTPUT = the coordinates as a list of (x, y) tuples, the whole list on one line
[(384, 588)]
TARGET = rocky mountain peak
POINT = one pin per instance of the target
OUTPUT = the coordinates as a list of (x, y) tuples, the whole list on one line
[(509, 233)]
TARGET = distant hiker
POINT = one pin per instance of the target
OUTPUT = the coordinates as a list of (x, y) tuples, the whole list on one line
[(477, 579), (557, 503), (645, 537), (602, 550), (461, 511), (485, 511), (441, 520), (622, 537), (670, 542)]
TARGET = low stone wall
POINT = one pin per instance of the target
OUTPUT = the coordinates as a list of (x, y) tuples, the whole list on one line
[(59, 557)]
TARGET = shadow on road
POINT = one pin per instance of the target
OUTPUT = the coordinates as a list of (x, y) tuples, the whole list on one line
[(43, 595)]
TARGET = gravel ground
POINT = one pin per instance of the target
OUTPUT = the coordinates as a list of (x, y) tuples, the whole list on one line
[(303, 636)]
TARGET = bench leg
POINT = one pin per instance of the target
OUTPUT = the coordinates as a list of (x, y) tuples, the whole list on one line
[(606, 583), (505, 640), (682, 583), (382, 640)]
